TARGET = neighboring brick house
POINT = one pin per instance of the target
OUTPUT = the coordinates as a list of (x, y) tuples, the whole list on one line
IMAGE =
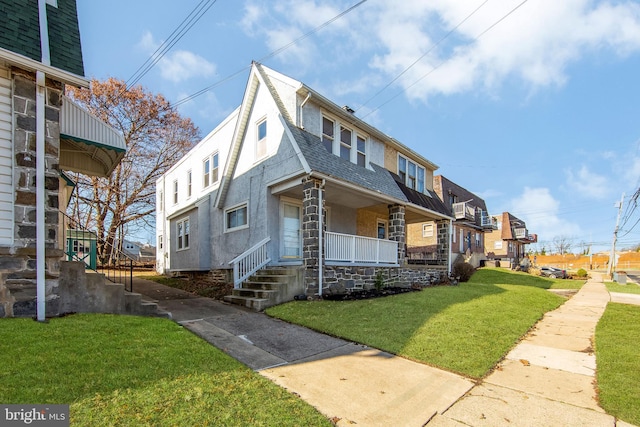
[(42, 134), (291, 179), (471, 223), (508, 242)]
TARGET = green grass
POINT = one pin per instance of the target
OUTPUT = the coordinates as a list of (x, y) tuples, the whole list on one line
[(629, 288), (499, 275), (618, 359), (136, 371), (465, 329)]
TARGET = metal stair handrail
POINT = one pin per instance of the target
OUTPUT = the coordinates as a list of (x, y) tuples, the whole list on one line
[(120, 271)]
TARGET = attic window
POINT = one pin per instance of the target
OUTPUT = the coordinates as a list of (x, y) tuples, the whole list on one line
[(261, 141)]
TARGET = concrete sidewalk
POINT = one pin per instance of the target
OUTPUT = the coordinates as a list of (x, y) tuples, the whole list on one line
[(349, 383), (547, 380)]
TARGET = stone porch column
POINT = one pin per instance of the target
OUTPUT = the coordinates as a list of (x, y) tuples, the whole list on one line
[(397, 229), (443, 241), (311, 229)]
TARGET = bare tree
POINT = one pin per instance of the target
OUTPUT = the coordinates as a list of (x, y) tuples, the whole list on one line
[(562, 244), (156, 137)]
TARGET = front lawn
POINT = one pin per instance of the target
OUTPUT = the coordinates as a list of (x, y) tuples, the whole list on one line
[(500, 275), (137, 371), (618, 359), (465, 329), (629, 288)]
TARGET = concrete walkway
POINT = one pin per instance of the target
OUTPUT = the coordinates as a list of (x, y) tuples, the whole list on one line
[(547, 380), (349, 383)]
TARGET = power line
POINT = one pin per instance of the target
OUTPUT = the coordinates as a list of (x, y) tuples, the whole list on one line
[(270, 55), (422, 56), (187, 23), (444, 62)]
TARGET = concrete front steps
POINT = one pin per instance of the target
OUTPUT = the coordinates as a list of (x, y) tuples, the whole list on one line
[(88, 292), (268, 287)]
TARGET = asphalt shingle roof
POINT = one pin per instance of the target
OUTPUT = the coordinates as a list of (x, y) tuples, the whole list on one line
[(320, 160), (20, 32)]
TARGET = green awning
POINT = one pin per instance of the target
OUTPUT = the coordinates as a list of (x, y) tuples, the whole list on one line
[(87, 144)]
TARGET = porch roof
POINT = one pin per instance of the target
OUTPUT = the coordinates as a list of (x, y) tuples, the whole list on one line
[(87, 144)]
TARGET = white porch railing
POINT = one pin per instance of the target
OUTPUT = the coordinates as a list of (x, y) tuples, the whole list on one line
[(349, 248), (247, 263)]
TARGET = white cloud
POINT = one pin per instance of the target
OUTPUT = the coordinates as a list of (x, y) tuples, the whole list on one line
[(587, 184), (536, 43), (178, 65), (540, 211)]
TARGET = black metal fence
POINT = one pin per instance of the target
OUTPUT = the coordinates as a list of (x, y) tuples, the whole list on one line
[(98, 255)]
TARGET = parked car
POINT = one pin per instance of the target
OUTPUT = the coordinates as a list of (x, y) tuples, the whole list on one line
[(553, 273)]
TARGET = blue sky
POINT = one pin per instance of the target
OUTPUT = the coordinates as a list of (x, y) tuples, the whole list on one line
[(533, 106)]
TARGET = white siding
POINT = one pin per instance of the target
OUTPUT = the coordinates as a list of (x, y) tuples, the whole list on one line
[(6, 163)]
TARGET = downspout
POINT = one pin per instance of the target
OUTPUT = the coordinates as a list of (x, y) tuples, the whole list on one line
[(320, 236), (450, 243), (40, 164), (300, 121)]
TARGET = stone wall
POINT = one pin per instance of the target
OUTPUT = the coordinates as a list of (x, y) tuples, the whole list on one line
[(18, 262), (344, 279)]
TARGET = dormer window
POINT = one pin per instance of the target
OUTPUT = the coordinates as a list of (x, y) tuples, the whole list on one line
[(327, 134), (345, 143), (412, 174), (351, 145)]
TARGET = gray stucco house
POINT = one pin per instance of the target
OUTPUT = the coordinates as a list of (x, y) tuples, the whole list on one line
[(292, 181)]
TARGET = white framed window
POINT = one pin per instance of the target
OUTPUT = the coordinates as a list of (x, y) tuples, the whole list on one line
[(261, 139), (427, 229), (183, 232), (236, 218), (160, 201), (497, 244), (478, 240), (160, 242), (412, 174), (175, 192), (328, 131), (382, 231), (361, 146), (210, 170), (189, 181), (206, 172), (214, 168), (345, 143)]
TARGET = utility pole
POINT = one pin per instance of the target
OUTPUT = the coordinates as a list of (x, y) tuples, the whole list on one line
[(612, 256)]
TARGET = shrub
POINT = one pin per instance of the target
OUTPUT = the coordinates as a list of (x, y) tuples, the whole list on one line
[(464, 270), (581, 273)]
